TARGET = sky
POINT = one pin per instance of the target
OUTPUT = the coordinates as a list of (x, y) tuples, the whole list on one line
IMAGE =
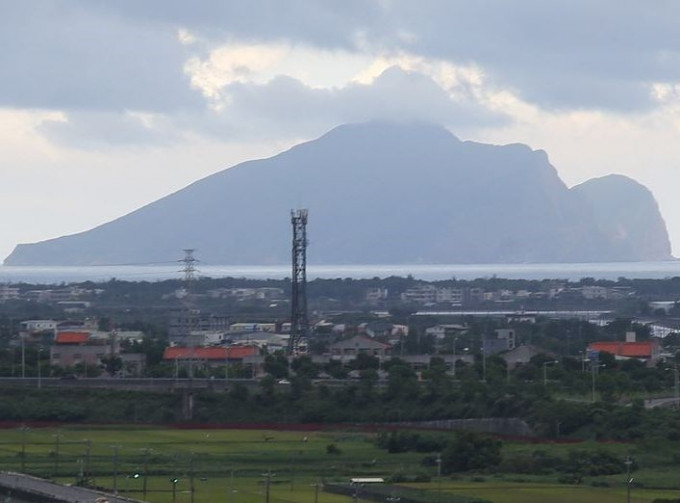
[(108, 105)]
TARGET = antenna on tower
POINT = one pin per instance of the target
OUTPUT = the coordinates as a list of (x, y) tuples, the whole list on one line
[(299, 324)]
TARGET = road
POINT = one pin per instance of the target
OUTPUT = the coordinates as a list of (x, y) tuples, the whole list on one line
[(134, 384), (18, 486)]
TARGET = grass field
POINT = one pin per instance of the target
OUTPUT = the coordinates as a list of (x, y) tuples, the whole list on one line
[(234, 466)]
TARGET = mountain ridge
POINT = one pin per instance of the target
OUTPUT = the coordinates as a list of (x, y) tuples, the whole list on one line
[(377, 193)]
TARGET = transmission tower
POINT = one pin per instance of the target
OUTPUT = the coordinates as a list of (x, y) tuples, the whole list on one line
[(189, 268), (299, 324), (189, 318)]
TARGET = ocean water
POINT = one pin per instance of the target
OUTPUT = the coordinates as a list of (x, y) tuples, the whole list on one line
[(431, 272)]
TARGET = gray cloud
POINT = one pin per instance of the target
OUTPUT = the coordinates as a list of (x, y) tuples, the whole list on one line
[(561, 54), (324, 23), (100, 54), (283, 108), (575, 54), (91, 130), (55, 55)]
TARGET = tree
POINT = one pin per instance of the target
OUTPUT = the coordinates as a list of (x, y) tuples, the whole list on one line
[(276, 365), (112, 364), (303, 366), (469, 450)]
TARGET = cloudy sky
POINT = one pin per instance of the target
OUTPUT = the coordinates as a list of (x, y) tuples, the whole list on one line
[(106, 105)]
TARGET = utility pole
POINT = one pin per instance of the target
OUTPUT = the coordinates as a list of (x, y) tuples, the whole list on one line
[(146, 472), (88, 452), (57, 437), (592, 368), (192, 487), (299, 323), (676, 385), (39, 371), (267, 484), (23, 356), (23, 448), (545, 371), (629, 480), (115, 469), (439, 477)]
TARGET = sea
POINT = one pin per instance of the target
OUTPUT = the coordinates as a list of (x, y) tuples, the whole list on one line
[(427, 272)]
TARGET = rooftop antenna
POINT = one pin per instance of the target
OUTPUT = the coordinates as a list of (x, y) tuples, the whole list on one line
[(299, 323)]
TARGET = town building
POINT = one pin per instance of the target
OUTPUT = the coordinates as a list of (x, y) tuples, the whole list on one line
[(503, 339), (209, 356), (430, 295), (442, 331), (350, 348), (648, 351)]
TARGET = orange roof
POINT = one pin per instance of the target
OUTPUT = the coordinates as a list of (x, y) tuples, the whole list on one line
[(72, 337), (642, 349), (218, 353)]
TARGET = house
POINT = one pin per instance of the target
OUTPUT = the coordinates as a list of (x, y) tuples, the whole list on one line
[(74, 348), (41, 331), (376, 295), (441, 331), (521, 317), (423, 361), (72, 337), (268, 340), (503, 339), (521, 355), (430, 294), (209, 356), (8, 293), (648, 351), (82, 347), (350, 348)]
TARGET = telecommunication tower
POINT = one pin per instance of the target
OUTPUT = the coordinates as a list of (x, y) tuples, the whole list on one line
[(299, 324)]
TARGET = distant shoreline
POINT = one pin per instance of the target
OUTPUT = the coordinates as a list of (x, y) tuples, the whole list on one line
[(426, 272)]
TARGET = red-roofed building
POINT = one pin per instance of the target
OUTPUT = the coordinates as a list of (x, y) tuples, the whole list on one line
[(72, 337), (210, 355), (642, 350)]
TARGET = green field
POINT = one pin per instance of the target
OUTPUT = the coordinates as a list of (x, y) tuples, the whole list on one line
[(234, 465)]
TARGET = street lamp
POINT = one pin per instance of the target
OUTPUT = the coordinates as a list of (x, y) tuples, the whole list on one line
[(676, 384), (174, 481), (594, 371), (115, 468), (39, 373), (57, 438), (629, 479), (267, 484), (228, 366), (545, 371), (439, 477), (23, 448), (23, 356)]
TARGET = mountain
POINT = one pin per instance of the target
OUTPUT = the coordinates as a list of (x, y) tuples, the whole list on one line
[(377, 192), (628, 215)]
